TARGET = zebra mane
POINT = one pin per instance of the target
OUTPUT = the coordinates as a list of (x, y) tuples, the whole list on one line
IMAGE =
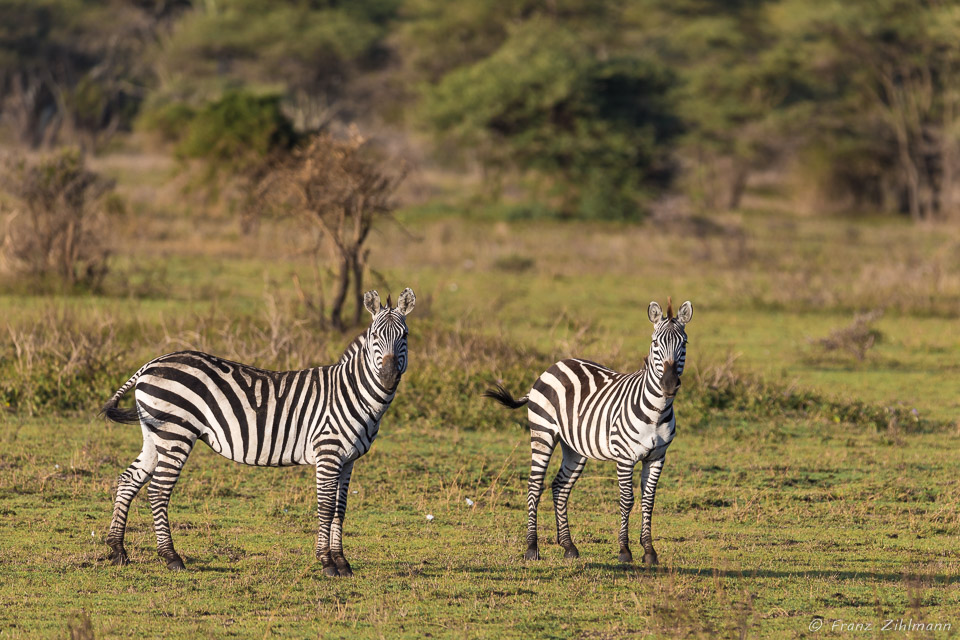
[(669, 308), (355, 346)]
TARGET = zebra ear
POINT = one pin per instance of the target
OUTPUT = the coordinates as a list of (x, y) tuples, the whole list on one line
[(685, 313), (371, 301), (654, 312), (406, 301)]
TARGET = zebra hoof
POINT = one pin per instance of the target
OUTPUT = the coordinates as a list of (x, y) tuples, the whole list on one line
[(176, 565), (625, 557), (650, 559), (343, 567), (331, 571), (571, 552), (533, 553), (118, 556)]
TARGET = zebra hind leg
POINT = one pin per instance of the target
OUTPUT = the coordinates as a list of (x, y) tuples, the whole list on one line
[(562, 485), (128, 485), (171, 457), (542, 444)]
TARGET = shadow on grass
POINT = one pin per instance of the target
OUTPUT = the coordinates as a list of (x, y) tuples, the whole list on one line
[(767, 573), (705, 572), (139, 564)]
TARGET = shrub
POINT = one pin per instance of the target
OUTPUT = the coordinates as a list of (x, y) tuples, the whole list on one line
[(170, 121), (856, 338), (57, 229), (238, 128), (339, 187)]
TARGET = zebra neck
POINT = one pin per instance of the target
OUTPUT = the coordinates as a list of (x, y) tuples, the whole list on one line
[(363, 384), (356, 346), (649, 404)]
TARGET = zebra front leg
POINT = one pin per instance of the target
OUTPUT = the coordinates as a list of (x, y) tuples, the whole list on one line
[(625, 480), (336, 528), (169, 464), (542, 444), (562, 485), (128, 485), (329, 467), (648, 483)]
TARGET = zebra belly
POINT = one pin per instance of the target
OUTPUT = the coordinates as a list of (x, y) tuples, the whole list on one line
[(587, 435), (593, 443)]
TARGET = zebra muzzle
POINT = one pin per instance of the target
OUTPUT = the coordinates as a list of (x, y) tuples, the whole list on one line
[(670, 382), (389, 372)]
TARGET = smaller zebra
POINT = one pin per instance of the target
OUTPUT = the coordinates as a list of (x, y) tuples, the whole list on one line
[(595, 412), (326, 417)]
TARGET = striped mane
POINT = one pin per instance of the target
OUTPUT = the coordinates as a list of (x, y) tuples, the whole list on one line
[(352, 349)]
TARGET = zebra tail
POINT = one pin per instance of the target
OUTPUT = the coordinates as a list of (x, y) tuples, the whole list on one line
[(113, 412), (125, 416), (505, 398)]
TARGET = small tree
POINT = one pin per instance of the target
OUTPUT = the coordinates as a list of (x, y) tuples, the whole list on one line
[(57, 228), (341, 187)]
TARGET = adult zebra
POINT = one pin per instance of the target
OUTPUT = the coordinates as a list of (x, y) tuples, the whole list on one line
[(327, 416), (595, 412)]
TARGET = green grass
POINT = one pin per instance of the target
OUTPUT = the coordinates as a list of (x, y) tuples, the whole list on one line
[(801, 483), (760, 527)]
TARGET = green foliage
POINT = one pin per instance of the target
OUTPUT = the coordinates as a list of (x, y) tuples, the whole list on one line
[(238, 125), (298, 45), (748, 398), (170, 121), (44, 387), (886, 75), (439, 36), (234, 131), (596, 129), (590, 108)]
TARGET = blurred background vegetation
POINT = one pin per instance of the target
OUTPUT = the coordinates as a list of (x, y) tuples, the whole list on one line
[(262, 163), (573, 108)]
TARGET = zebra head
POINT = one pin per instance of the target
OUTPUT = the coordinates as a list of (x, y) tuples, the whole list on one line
[(668, 346), (386, 343)]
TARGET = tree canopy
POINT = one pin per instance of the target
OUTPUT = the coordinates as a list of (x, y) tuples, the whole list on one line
[(596, 108)]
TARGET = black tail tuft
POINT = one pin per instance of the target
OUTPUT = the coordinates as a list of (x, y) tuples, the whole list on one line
[(504, 397), (126, 416)]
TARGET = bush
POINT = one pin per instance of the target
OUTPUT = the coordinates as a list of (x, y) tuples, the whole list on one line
[(170, 120), (236, 129), (856, 338), (57, 229)]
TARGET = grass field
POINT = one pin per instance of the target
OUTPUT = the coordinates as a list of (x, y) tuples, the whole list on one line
[(804, 485), (761, 529)]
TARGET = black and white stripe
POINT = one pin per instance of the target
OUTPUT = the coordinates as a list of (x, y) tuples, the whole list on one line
[(327, 417), (595, 412)]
